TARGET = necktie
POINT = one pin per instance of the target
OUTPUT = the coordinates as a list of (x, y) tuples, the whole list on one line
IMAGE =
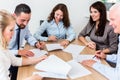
[(18, 38)]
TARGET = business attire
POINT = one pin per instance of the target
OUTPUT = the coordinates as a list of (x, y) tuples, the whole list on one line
[(24, 35), (6, 60), (109, 72), (108, 40), (16, 43), (57, 30)]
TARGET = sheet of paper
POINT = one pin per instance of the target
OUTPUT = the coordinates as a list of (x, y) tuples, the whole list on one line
[(77, 70), (51, 47), (80, 58), (74, 49), (38, 52), (51, 75), (54, 64)]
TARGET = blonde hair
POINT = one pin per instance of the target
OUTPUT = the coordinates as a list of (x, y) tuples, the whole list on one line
[(5, 19)]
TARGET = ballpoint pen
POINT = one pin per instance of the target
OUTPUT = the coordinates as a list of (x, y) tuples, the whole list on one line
[(98, 53)]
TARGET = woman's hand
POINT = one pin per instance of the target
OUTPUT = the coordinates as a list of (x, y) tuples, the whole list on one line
[(52, 38), (100, 54), (65, 43), (91, 45)]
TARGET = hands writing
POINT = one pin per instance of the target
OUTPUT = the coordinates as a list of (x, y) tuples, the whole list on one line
[(100, 54), (40, 45)]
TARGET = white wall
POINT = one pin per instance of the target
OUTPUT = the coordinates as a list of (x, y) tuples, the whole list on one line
[(78, 11)]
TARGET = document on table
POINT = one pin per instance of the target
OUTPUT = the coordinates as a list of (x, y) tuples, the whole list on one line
[(74, 48), (53, 65), (77, 70), (51, 47), (38, 52), (80, 58)]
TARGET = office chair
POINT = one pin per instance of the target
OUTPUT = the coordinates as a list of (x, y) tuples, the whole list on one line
[(45, 32)]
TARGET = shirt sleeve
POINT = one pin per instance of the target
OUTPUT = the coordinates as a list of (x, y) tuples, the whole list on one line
[(15, 61), (113, 41), (4, 72), (40, 30), (107, 71), (112, 58), (30, 39), (70, 34), (15, 52)]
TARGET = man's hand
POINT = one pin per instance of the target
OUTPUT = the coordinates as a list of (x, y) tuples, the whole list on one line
[(25, 53), (40, 45), (52, 38)]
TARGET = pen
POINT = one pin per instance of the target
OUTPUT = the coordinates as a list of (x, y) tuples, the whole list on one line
[(98, 53)]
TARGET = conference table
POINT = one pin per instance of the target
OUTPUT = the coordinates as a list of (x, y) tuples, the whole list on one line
[(26, 71)]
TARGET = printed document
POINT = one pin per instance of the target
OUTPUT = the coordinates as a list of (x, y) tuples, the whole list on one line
[(80, 58), (77, 70), (54, 65), (51, 47), (38, 53)]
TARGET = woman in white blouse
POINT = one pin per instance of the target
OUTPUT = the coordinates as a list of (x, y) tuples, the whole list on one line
[(7, 23)]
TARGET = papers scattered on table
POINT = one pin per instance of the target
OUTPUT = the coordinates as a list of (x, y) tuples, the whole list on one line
[(54, 65), (80, 58), (77, 70), (51, 47), (74, 49), (38, 52)]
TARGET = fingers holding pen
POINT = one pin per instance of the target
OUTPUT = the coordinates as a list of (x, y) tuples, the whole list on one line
[(100, 54)]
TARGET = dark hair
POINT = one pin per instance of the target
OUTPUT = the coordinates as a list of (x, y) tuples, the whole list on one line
[(63, 8), (22, 8), (103, 18)]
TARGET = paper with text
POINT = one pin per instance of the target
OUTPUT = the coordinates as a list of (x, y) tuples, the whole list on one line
[(77, 70), (51, 47), (54, 64), (80, 58), (38, 52)]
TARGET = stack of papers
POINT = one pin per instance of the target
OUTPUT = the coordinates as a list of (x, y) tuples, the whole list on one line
[(38, 53), (51, 47), (53, 67)]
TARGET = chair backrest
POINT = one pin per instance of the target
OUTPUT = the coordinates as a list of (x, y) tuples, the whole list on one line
[(45, 32)]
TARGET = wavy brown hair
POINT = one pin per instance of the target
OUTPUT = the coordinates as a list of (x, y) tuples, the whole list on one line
[(103, 17), (64, 9)]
